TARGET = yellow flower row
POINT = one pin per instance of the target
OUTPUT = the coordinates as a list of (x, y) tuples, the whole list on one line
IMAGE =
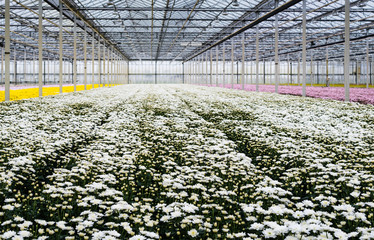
[(34, 92)]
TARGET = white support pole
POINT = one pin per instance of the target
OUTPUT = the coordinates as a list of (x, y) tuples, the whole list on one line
[(257, 58), (15, 65), (232, 63), (223, 64), (243, 62), (211, 67), (311, 68), (93, 60), (40, 46), (276, 57), (217, 66), (85, 57), (24, 66), (2, 64), (304, 48), (7, 50), (33, 66), (288, 71), (327, 68), (75, 55), (298, 70), (367, 64), (206, 67), (60, 47), (99, 62), (104, 67), (108, 66), (346, 50)]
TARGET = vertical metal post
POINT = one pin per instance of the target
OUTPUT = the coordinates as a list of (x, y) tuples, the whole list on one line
[(75, 55), (93, 60), (232, 63), (327, 67), (211, 67), (15, 65), (264, 70), (104, 65), (243, 62), (24, 65), (223, 64), (7, 50), (367, 64), (60, 47), (311, 68), (207, 64), (298, 70), (276, 57), (217, 66), (2, 66), (304, 48), (33, 66), (288, 71), (99, 61), (108, 66), (156, 72), (257, 58), (346, 50), (85, 57), (40, 46)]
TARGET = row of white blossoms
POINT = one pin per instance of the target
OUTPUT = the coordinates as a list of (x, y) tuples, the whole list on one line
[(185, 162)]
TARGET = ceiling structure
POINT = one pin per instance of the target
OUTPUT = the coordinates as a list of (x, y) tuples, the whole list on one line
[(167, 30)]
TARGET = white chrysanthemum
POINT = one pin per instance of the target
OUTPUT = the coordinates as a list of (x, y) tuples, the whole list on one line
[(137, 237), (193, 233)]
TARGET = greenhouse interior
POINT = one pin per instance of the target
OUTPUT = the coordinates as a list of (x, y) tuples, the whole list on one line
[(187, 119)]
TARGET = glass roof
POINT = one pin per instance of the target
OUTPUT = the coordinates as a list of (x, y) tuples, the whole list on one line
[(178, 29)]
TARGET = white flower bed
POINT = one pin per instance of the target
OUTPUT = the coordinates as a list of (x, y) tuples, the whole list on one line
[(185, 162)]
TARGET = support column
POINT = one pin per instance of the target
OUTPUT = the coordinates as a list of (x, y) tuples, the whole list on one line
[(257, 58), (367, 64), (276, 57), (33, 67), (327, 68), (75, 55), (85, 57), (60, 47), (217, 66), (346, 50), (108, 67), (298, 70), (311, 68), (99, 62), (15, 65), (24, 65), (223, 64), (288, 71), (7, 50), (232, 63), (304, 48), (211, 67), (93, 60), (206, 67), (243, 62), (104, 67), (40, 46), (2, 65)]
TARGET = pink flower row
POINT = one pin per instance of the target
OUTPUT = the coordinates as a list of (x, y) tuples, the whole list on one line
[(361, 95)]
